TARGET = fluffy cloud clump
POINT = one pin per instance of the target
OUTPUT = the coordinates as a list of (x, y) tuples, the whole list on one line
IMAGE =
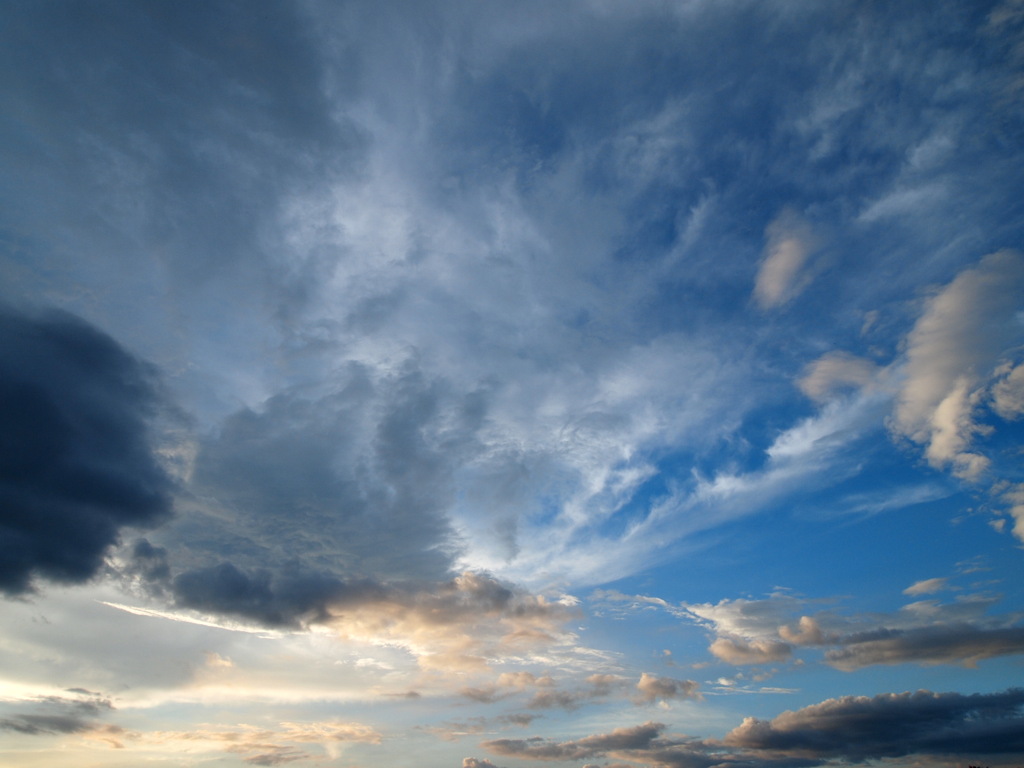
[(954, 355), (959, 369)]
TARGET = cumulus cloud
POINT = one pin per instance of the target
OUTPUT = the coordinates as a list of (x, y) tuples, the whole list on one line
[(859, 728), (746, 630), (782, 274), (953, 354), (808, 632), (78, 462), (651, 688)]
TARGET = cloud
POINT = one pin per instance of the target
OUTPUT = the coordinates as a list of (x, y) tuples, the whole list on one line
[(1014, 496), (959, 361), (781, 275), (809, 633), (953, 354), (633, 738), (858, 728), (941, 644), (280, 756), (740, 651), (1008, 392), (294, 599), (472, 762), (353, 480), (651, 688), (78, 461), (51, 715), (458, 624), (599, 686), (925, 632), (35, 725), (836, 370), (926, 587), (330, 730), (507, 684), (263, 746)]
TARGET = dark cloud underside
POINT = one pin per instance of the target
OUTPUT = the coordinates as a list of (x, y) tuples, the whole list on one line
[(76, 462)]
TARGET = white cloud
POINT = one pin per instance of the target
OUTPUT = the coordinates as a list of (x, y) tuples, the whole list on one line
[(835, 370), (782, 274), (926, 587), (1008, 392), (953, 354), (1015, 497)]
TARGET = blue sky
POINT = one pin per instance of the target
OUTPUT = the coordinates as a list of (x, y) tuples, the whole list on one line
[(622, 385)]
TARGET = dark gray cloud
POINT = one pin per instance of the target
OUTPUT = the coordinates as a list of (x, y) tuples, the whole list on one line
[(51, 715), (35, 725), (178, 122), (942, 644), (321, 500), (282, 756), (288, 599), (858, 728), (77, 463), (355, 483)]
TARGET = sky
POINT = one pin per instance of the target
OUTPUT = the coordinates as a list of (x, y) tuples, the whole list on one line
[(451, 384)]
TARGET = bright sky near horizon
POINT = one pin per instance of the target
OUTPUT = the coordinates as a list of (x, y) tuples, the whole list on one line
[(442, 384)]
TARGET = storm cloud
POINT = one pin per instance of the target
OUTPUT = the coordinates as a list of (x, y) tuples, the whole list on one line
[(860, 728), (77, 461)]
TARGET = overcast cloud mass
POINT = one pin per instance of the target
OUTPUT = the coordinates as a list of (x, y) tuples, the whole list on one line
[(607, 384)]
